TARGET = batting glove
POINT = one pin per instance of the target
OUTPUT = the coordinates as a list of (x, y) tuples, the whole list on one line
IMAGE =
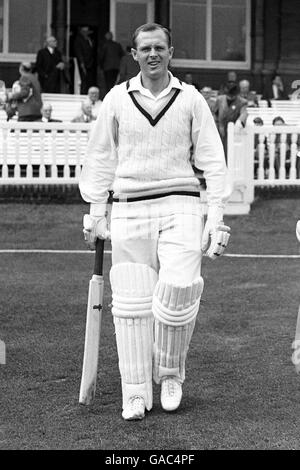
[(215, 238), (93, 228), (298, 230)]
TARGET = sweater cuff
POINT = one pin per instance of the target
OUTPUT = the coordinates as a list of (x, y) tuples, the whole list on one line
[(97, 209), (215, 213)]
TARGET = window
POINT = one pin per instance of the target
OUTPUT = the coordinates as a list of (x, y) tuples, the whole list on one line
[(23, 28), (211, 33), (127, 15)]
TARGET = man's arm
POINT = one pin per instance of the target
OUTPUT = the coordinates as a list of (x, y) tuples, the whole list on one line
[(209, 156), (208, 153), (25, 90), (101, 158)]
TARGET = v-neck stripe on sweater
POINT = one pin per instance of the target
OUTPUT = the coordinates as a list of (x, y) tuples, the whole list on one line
[(153, 120)]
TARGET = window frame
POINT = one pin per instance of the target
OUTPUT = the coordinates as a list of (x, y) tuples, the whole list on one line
[(113, 10), (7, 56), (209, 63)]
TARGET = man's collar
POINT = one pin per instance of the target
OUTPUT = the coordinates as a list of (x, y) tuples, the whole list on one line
[(135, 84)]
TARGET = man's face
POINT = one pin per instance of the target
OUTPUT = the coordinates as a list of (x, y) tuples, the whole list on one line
[(206, 92), (47, 111), (85, 31), (231, 77), (52, 42), (87, 109), (189, 78), (93, 95), (153, 54), (279, 122), (244, 88)]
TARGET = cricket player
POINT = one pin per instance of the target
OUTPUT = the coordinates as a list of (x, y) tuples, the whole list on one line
[(148, 134)]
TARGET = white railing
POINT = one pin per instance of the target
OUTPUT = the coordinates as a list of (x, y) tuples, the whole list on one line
[(264, 156), (42, 153), (52, 153), (275, 155)]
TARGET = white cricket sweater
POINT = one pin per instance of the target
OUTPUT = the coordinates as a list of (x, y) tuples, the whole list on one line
[(127, 154)]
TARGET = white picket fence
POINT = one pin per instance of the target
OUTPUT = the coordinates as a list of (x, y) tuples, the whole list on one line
[(266, 156), (52, 153), (42, 153)]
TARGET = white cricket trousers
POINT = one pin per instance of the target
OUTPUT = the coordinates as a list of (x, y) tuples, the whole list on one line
[(155, 244), (163, 233)]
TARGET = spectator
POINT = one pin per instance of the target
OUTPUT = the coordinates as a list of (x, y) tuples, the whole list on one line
[(275, 90), (259, 122), (128, 67), (279, 121), (47, 113), (50, 66), (86, 113), (206, 91), (93, 100), (188, 78), (110, 59), (25, 97), (84, 53), (250, 96), (230, 108), (231, 78)]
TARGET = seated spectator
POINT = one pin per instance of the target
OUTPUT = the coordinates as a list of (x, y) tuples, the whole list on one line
[(93, 100), (206, 91), (128, 67), (279, 121), (230, 108), (250, 96), (231, 78), (188, 78), (25, 98), (259, 122), (275, 90), (47, 113), (86, 114)]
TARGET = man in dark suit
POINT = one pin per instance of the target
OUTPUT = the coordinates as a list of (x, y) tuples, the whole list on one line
[(230, 107), (110, 59), (84, 53), (275, 90), (49, 66)]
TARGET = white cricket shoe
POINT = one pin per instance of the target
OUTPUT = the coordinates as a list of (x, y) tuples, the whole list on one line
[(135, 408), (171, 394)]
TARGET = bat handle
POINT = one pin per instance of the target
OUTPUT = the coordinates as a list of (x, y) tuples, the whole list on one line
[(98, 266)]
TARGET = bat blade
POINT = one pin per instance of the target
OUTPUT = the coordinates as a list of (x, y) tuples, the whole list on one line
[(92, 339)]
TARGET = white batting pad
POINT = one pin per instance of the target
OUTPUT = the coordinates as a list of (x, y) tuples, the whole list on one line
[(132, 290), (175, 310)]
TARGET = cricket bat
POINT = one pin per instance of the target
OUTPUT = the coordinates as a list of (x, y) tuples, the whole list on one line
[(92, 329)]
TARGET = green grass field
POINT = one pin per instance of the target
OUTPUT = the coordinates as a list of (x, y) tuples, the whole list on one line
[(241, 391)]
